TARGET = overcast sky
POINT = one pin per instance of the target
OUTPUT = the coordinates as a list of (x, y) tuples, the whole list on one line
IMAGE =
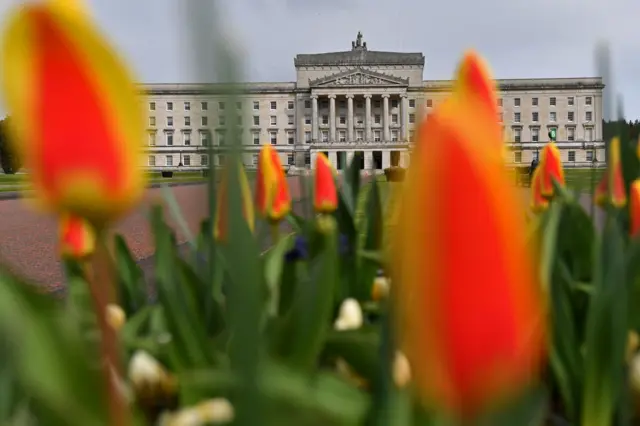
[(519, 38)]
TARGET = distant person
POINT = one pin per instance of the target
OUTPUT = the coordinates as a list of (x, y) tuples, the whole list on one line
[(532, 168)]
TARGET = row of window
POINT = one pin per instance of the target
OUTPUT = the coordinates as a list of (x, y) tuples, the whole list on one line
[(185, 160), (553, 116), (273, 120), (535, 134), (571, 101), (571, 156)]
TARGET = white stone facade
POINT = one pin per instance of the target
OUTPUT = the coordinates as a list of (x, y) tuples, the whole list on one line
[(359, 101)]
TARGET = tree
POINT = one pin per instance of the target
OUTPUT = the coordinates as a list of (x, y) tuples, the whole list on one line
[(9, 160)]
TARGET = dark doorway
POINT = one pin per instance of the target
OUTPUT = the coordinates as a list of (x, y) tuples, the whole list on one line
[(342, 159), (377, 160), (395, 158), (359, 157)]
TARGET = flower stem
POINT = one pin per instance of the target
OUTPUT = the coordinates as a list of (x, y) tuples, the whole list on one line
[(275, 232)]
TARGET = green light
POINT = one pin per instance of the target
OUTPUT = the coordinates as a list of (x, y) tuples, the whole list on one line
[(552, 134)]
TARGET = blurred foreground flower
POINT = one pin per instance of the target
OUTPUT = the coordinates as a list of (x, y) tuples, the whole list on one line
[(273, 200), (539, 202), (465, 355), (325, 196), (77, 237), (154, 387), (634, 208), (76, 120), (550, 169), (222, 206), (115, 316), (611, 189)]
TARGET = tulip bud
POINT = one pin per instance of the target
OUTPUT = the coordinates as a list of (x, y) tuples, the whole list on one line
[(380, 288), (611, 189), (153, 386), (273, 200), (77, 237), (551, 169), (213, 411), (222, 206), (115, 316), (350, 316), (325, 198), (539, 202), (401, 370), (634, 208)]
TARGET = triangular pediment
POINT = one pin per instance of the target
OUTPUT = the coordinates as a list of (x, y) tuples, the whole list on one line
[(357, 78)]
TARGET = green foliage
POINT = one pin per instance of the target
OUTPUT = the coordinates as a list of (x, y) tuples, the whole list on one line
[(9, 160)]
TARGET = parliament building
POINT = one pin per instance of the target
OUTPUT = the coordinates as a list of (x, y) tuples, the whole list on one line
[(360, 100)]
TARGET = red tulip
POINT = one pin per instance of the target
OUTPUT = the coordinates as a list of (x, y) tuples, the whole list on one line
[(611, 189), (77, 237), (325, 198), (222, 206), (634, 207), (272, 190), (539, 202), (551, 169)]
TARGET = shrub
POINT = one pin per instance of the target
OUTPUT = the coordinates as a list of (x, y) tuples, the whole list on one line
[(394, 174)]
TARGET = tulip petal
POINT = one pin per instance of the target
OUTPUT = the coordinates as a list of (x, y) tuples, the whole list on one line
[(222, 205), (77, 237), (601, 192), (458, 196), (634, 208), (325, 199), (552, 169), (265, 178), (75, 115), (617, 191), (539, 202), (281, 203)]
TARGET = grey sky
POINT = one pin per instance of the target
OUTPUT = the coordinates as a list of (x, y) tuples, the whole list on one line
[(519, 38)]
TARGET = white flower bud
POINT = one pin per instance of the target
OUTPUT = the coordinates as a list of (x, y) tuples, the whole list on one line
[(350, 316), (115, 316), (216, 411), (145, 370), (401, 370)]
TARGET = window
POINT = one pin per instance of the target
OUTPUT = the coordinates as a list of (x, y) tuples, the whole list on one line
[(412, 103), (377, 119), (394, 103), (517, 135), (290, 120), (571, 134), (204, 139), (376, 103), (254, 160), (307, 119), (324, 104), (571, 156), (273, 105), (256, 120), (256, 105), (534, 117), (359, 135), (394, 118), (169, 160), (290, 105), (516, 117), (152, 121), (187, 121), (516, 102), (204, 106), (222, 120), (588, 134), (152, 160), (290, 159), (535, 135), (273, 138), (169, 138), (256, 138), (570, 100), (570, 116), (290, 137), (186, 160), (342, 136), (552, 116), (152, 107), (342, 104), (359, 119), (221, 106), (411, 135), (588, 100), (343, 119), (221, 138), (152, 138), (429, 103), (360, 104), (169, 121), (273, 120), (552, 101), (307, 104), (307, 137), (412, 118), (169, 106), (238, 105), (589, 155), (534, 101), (499, 102), (325, 119), (325, 136), (186, 139), (220, 159), (376, 135), (517, 157), (187, 106), (394, 135), (307, 158), (204, 160), (588, 116), (204, 121)]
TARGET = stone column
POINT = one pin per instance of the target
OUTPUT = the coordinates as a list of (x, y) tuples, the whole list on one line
[(367, 118), (313, 160), (385, 117), (332, 118), (368, 160), (386, 159), (404, 117), (349, 158), (333, 159), (314, 118), (350, 118)]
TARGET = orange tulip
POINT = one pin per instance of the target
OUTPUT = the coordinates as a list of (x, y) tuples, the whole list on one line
[(539, 203), (325, 198), (272, 190), (551, 169), (611, 188), (634, 208), (77, 237), (457, 195), (76, 119), (222, 206)]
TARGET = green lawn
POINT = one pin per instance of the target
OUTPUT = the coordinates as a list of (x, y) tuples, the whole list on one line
[(583, 179)]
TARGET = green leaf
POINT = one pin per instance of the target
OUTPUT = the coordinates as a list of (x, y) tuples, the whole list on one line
[(350, 186), (549, 242), (273, 269), (575, 238), (358, 348), (132, 292), (530, 408), (373, 226), (606, 332)]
